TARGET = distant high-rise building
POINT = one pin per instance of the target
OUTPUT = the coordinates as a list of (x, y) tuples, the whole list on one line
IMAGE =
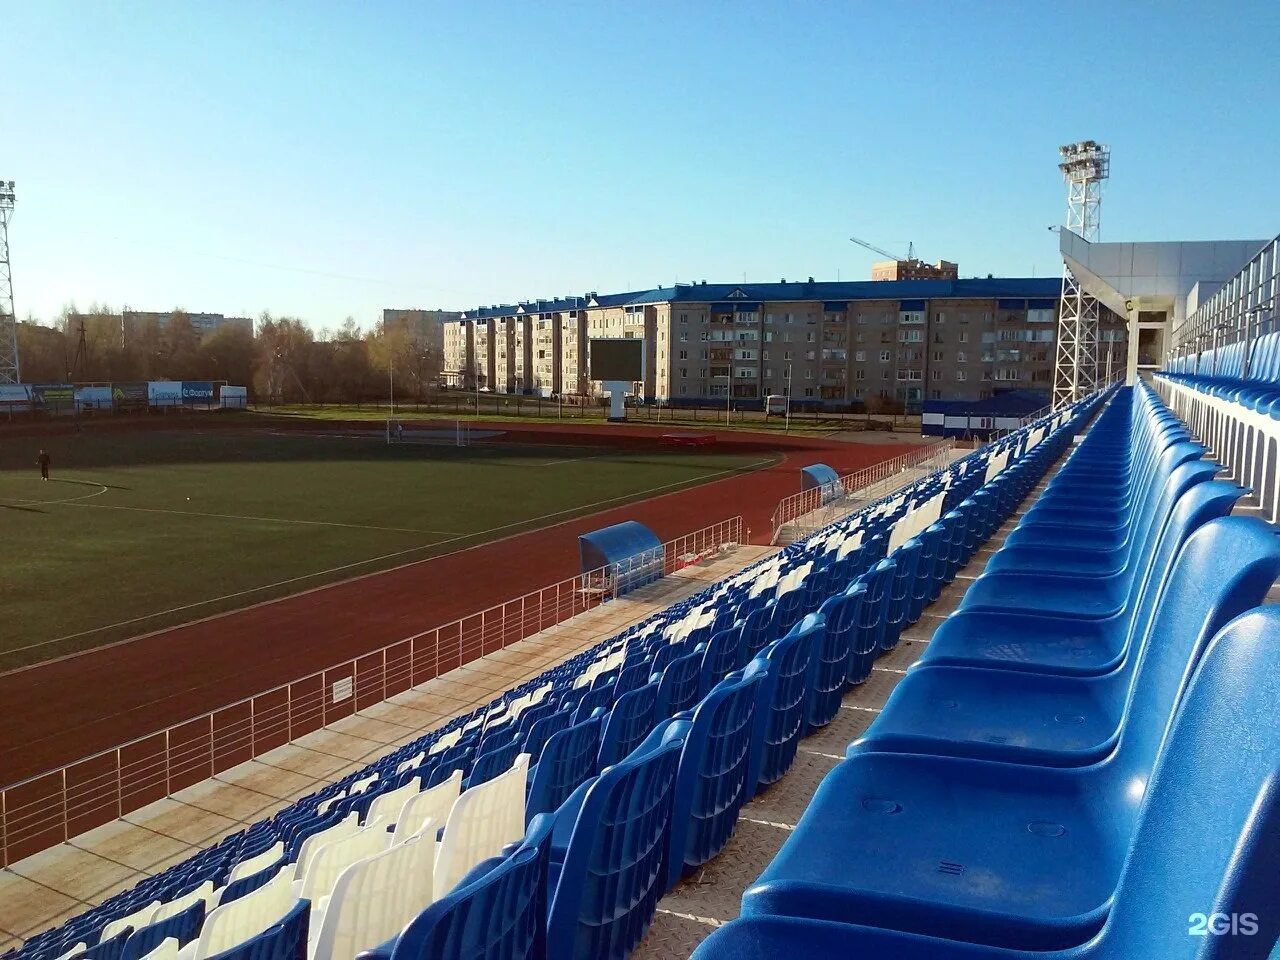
[(828, 344), (133, 321), (914, 270)]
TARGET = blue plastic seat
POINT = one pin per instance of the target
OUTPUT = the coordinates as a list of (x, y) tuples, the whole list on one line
[(681, 684), (1023, 857), (628, 722), (723, 655), (497, 912), (1207, 841), (1059, 642), (1052, 720), (830, 678), (569, 757), (183, 927), (285, 940), (608, 852), (782, 704), (872, 616), (712, 781)]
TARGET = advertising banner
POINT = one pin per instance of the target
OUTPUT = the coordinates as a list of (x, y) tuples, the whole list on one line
[(54, 397), (199, 393), (93, 398), (12, 394), (164, 393), (234, 397), (128, 395)]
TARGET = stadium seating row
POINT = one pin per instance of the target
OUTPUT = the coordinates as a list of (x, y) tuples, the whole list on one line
[(557, 816), (1230, 397), (1085, 758)]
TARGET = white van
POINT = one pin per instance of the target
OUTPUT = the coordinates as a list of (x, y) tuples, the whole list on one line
[(775, 405)]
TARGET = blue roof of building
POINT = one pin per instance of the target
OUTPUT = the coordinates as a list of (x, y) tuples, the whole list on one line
[(829, 292)]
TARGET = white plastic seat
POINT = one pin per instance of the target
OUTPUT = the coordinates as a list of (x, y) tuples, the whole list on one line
[(445, 742), (247, 868), (375, 898), (387, 806), (138, 919), (432, 804), (483, 820), (166, 950), (326, 805), (235, 922), (345, 828), (363, 784), (412, 763), (331, 859), (171, 908)]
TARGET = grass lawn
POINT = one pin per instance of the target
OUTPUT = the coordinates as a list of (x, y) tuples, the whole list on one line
[(139, 531), (529, 410)]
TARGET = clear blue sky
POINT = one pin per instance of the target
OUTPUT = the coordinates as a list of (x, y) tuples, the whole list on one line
[(322, 159)]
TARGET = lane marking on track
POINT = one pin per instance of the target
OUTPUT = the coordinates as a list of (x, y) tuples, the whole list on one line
[(353, 564), (237, 516)]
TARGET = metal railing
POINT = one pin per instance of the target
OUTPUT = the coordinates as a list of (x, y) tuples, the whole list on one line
[(806, 502), (52, 807), (1243, 309)]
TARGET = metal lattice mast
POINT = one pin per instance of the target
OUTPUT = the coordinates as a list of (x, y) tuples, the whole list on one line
[(9, 372), (1085, 165)]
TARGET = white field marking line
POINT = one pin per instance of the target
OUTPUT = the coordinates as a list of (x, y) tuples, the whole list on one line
[(84, 496), (345, 566), (236, 516)]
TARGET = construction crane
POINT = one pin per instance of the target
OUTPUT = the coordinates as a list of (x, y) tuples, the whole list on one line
[(911, 250)]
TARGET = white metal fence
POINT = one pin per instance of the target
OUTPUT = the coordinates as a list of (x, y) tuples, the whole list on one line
[(62, 803), (811, 506)]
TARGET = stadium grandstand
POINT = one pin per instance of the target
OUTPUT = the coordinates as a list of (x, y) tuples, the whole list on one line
[(1081, 762)]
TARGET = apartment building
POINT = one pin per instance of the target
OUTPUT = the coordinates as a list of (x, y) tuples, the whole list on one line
[(864, 343), (135, 322), (914, 269)]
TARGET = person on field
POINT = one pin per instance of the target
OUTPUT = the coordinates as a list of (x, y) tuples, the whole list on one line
[(44, 460)]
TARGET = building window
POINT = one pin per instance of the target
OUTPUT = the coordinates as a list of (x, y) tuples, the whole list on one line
[(941, 317), (885, 356), (935, 374), (860, 355), (808, 391), (964, 337), (684, 318), (961, 357), (684, 354), (859, 374), (961, 375), (684, 336), (808, 374)]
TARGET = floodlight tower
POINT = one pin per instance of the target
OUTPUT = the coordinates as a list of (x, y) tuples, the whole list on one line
[(1085, 165), (9, 372)]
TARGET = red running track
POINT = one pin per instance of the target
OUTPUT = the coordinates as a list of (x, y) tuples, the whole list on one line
[(56, 713)]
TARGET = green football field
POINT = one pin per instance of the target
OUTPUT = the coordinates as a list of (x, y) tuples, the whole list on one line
[(143, 530)]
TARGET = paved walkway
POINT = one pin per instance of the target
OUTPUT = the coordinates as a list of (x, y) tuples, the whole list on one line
[(50, 887)]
